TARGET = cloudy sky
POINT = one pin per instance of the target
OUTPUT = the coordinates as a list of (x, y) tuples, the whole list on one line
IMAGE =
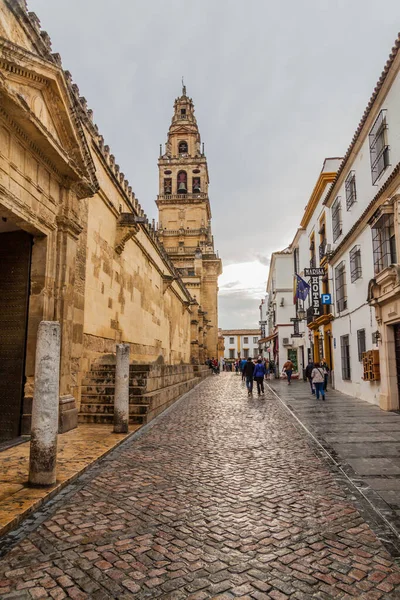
[(278, 86)]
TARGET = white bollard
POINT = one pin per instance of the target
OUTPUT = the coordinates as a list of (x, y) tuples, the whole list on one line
[(43, 446), (121, 395)]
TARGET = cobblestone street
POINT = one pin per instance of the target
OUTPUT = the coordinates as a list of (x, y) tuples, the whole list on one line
[(223, 497)]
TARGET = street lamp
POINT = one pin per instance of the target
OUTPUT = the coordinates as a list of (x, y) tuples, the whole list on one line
[(301, 314)]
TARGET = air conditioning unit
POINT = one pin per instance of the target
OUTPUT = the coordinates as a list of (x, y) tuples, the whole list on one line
[(286, 341)]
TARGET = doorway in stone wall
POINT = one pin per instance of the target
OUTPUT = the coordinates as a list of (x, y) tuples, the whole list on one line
[(15, 264)]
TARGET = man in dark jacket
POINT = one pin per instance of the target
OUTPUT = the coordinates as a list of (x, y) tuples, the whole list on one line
[(248, 371), (309, 369), (259, 374)]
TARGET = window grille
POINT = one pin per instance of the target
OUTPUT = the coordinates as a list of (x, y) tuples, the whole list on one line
[(361, 345), (231, 353), (340, 284), (255, 340), (337, 219), (378, 148), (350, 187), (231, 340), (345, 356), (355, 263), (245, 353), (245, 340), (384, 242)]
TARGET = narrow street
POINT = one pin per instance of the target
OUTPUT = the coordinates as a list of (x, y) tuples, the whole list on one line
[(222, 497)]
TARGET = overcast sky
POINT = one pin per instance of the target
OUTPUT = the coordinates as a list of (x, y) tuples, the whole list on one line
[(277, 86)]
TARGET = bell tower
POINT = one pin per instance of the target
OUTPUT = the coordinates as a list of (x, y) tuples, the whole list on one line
[(184, 223)]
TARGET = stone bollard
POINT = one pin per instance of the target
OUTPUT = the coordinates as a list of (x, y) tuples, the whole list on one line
[(121, 395), (43, 446)]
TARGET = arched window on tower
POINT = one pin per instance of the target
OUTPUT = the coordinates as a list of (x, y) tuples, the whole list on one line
[(182, 182), (183, 148), (196, 185), (168, 186)]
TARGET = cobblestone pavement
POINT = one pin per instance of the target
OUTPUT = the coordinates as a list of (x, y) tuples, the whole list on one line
[(224, 497)]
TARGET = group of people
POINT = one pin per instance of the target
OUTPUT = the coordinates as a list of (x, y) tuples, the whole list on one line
[(254, 372), (318, 374), (213, 364)]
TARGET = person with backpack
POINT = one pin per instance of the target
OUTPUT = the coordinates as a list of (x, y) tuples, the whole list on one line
[(318, 379), (248, 373), (259, 374)]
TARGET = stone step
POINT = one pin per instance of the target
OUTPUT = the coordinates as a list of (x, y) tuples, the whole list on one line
[(92, 408), (108, 419), (109, 368), (109, 398), (106, 388)]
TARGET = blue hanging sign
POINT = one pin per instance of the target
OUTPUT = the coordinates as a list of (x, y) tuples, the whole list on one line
[(326, 299)]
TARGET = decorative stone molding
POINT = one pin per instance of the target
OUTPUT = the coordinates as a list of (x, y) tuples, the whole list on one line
[(127, 227), (168, 280)]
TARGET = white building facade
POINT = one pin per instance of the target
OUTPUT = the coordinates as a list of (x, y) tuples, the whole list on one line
[(280, 343), (364, 206), (350, 232), (240, 343)]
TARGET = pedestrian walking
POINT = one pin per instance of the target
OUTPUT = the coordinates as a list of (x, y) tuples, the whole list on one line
[(259, 374), (324, 366), (242, 366), (288, 369), (318, 378), (309, 370), (248, 373)]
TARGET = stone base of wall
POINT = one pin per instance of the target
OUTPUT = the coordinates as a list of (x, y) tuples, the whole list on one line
[(152, 389), (67, 416)]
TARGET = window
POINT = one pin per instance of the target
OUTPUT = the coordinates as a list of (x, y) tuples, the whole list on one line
[(196, 188), (168, 186), (378, 148), (384, 242), (336, 218), (256, 352), (231, 353), (350, 187), (231, 340), (245, 340), (340, 284), (361, 343), (183, 111), (255, 340), (355, 263), (182, 182), (183, 148), (345, 356), (245, 353)]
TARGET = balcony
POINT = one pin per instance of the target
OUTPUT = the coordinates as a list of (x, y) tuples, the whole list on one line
[(195, 196)]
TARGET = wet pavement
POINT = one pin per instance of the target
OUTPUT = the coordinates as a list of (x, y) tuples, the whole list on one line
[(222, 497), (77, 449), (363, 440)]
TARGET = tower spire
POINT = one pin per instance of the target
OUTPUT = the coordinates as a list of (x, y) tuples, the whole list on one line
[(183, 88)]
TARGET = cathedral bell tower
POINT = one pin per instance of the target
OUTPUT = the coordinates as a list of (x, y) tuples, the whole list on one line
[(184, 226)]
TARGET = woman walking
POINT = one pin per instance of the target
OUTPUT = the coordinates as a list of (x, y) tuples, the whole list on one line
[(259, 374), (318, 379)]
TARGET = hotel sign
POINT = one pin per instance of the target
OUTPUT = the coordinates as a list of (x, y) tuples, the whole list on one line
[(314, 272), (315, 296)]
